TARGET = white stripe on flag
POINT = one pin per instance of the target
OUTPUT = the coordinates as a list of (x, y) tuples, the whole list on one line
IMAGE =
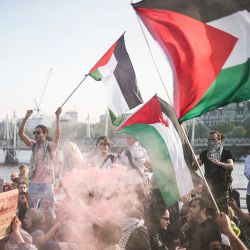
[(174, 145), (238, 25), (114, 96)]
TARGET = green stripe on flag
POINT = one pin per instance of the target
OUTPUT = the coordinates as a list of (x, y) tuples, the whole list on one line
[(96, 75), (231, 85), (163, 168), (116, 120)]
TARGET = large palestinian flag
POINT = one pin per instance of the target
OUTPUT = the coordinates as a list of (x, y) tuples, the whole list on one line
[(118, 76), (156, 127), (208, 45)]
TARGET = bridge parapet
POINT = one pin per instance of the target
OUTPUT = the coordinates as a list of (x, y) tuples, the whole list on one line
[(81, 143), (198, 142)]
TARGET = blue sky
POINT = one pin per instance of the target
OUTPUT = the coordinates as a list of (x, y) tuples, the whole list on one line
[(70, 37)]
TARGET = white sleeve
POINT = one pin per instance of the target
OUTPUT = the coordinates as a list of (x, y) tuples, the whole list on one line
[(139, 154), (247, 167)]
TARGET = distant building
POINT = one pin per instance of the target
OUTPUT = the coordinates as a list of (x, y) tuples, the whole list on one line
[(234, 112), (69, 118), (37, 119)]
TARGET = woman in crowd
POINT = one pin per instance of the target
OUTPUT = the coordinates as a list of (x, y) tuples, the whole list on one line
[(72, 156), (101, 157), (23, 174), (159, 222)]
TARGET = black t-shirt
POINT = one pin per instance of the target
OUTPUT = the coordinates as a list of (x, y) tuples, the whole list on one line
[(201, 235), (218, 177)]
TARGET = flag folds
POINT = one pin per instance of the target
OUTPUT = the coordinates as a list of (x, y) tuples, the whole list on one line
[(157, 128), (117, 74), (207, 43)]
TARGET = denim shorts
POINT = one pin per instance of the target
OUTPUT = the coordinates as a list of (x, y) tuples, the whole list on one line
[(38, 192)]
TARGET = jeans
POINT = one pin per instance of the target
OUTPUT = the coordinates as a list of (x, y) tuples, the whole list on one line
[(38, 192), (248, 203)]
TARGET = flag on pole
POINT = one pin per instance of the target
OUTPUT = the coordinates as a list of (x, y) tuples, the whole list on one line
[(157, 128), (207, 44), (116, 72)]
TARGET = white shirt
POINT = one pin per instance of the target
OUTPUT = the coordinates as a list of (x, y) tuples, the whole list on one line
[(247, 172), (139, 156)]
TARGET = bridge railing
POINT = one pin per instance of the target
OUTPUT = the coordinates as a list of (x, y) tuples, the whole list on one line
[(117, 142), (226, 142)]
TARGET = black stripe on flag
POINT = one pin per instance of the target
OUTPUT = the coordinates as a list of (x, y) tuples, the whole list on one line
[(202, 10), (125, 76)]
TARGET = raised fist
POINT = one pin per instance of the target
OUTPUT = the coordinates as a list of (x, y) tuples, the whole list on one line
[(29, 113)]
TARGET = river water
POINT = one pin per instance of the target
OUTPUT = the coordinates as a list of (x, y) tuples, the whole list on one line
[(239, 180)]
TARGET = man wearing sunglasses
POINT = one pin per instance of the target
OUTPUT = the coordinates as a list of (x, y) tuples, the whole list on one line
[(42, 174)]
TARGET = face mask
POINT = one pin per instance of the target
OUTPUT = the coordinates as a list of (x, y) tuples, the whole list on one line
[(213, 145)]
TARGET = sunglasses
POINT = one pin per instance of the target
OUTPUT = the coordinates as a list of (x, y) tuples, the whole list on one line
[(37, 132), (165, 218)]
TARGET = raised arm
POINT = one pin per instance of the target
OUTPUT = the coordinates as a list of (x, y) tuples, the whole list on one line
[(21, 133), (17, 236), (225, 227), (244, 218), (58, 126)]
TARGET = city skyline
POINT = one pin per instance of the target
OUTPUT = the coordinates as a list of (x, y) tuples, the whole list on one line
[(69, 37)]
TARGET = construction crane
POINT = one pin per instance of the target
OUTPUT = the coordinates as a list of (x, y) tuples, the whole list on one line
[(38, 105)]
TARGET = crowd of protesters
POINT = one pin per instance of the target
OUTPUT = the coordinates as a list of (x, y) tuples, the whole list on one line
[(113, 215)]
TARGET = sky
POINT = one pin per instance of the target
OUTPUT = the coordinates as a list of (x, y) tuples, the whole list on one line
[(69, 37)]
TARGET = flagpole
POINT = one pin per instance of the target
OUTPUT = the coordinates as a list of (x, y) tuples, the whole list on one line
[(74, 90), (198, 165), (151, 54)]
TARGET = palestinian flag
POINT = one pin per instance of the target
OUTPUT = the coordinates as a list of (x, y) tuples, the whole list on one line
[(118, 76), (156, 126), (208, 45)]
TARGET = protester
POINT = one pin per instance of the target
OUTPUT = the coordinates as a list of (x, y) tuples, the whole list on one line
[(159, 222), (41, 169), (218, 164), (22, 187), (49, 215), (34, 224), (107, 236), (19, 239), (101, 157), (247, 174), (72, 156), (23, 174), (134, 232), (225, 227), (245, 218), (203, 229), (23, 205), (62, 236), (135, 157), (14, 179)]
